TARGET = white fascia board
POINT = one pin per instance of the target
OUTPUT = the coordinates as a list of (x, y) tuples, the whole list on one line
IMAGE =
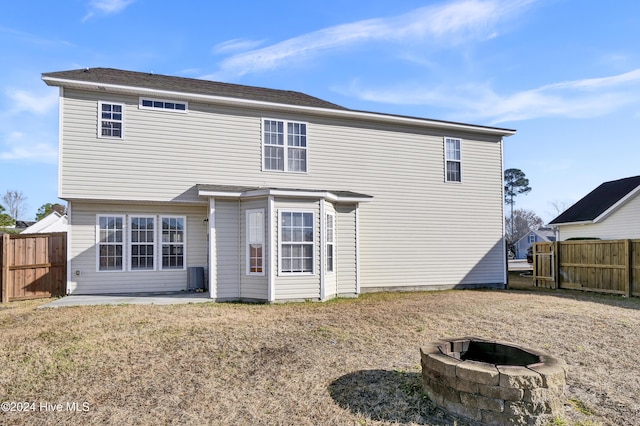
[(617, 205), (582, 222), (220, 194), (370, 116), (283, 193)]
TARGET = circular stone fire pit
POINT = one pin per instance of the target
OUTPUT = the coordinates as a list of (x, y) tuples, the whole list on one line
[(492, 382)]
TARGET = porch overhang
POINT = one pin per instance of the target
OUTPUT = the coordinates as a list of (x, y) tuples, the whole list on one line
[(240, 192)]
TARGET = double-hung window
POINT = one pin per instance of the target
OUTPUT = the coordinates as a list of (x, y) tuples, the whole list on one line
[(284, 146), (110, 120), (330, 227), (255, 242), (453, 160), (110, 243), (296, 242), (173, 242), (141, 243)]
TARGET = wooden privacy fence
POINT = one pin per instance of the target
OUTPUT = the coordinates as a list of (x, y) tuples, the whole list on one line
[(33, 266), (604, 266)]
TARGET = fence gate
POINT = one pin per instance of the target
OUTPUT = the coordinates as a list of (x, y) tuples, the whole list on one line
[(544, 271), (33, 266)]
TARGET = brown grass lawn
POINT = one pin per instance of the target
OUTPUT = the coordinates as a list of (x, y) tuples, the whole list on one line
[(345, 362)]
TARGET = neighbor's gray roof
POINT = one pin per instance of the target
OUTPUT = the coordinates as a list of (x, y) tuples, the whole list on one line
[(598, 201), (189, 85)]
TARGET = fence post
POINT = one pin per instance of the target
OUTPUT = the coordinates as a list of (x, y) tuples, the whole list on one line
[(555, 247), (628, 271), (4, 293)]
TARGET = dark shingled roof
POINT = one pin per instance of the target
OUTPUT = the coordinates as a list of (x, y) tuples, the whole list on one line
[(190, 85), (598, 201)]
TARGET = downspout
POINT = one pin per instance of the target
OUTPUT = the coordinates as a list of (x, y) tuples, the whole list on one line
[(357, 248), (504, 224)]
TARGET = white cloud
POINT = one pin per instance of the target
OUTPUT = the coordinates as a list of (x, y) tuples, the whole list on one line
[(236, 45), (584, 98), (20, 146), (24, 101), (449, 23), (106, 7)]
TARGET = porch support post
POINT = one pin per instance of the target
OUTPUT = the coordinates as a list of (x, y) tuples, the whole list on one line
[(213, 249), (271, 241), (323, 238)]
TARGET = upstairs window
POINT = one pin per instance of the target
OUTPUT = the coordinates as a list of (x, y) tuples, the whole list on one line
[(110, 120), (149, 103), (453, 160), (284, 146)]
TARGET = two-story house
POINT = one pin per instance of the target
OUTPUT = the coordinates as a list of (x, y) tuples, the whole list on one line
[(277, 195)]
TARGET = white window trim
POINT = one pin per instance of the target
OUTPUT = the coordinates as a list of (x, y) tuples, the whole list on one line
[(332, 243), (249, 242), (130, 243), (152, 108), (161, 243), (280, 242), (446, 159), (99, 243), (284, 146), (99, 119)]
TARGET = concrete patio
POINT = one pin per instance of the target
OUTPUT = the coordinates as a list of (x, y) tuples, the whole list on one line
[(129, 299)]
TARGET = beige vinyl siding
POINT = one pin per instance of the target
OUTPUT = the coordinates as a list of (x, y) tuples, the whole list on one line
[(624, 223), (228, 249), (298, 286), (346, 250), (418, 231), (254, 286), (83, 250)]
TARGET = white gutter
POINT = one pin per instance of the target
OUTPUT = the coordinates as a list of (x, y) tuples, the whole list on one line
[(283, 193), (256, 104)]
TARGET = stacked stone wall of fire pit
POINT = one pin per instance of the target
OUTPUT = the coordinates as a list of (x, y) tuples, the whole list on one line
[(494, 383)]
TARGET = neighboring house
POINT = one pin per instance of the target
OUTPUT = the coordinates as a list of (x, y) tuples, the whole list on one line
[(18, 227), (53, 222), (609, 212), (276, 194), (534, 236)]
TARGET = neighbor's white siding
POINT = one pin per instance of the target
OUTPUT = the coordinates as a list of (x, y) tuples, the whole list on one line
[(624, 223), (418, 231), (85, 279)]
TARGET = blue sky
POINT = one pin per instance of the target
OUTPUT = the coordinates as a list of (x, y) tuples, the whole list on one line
[(564, 73)]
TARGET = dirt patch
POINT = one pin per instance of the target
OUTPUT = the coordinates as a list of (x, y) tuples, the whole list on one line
[(344, 362)]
